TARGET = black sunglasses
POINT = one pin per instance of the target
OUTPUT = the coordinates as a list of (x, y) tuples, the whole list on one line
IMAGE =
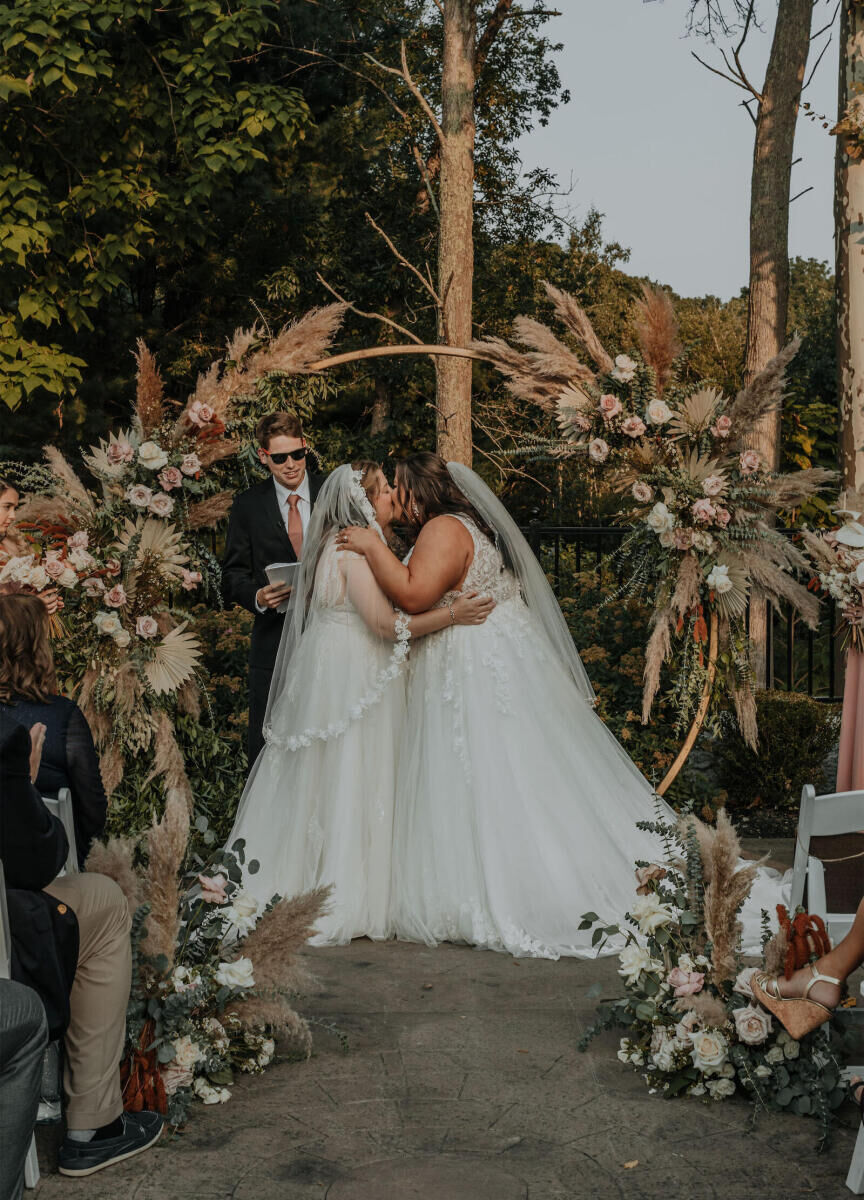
[(282, 457)]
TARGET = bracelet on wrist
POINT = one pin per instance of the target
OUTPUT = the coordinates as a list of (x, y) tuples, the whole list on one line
[(452, 613)]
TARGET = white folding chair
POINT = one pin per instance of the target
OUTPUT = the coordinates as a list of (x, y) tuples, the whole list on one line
[(62, 808), (31, 1163), (824, 816)]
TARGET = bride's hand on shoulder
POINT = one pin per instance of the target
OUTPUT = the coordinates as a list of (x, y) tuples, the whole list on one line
[(356, 538), (471, 609)]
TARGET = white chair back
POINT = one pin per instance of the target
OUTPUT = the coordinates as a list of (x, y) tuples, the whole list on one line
[(62, 808), (824, 816)]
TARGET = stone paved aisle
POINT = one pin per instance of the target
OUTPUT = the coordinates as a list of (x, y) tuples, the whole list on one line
[(463, 1082)]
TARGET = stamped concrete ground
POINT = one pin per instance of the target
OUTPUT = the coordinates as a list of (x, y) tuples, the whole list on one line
[(463, 1082)]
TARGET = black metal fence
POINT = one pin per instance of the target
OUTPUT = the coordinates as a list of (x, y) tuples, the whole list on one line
[(798, 659)]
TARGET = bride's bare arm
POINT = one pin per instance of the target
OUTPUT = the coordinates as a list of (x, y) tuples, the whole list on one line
[(378, 613), (438, 564)]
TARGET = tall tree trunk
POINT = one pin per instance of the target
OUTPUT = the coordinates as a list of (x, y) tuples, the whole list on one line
[(456, 237), (849, 225), (380, 407), (768, 303)]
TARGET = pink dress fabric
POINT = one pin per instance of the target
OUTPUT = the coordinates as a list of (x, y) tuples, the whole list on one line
[(850, 763)]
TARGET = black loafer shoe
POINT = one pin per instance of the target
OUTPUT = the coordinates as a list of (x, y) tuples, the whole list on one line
[(140, 1131)]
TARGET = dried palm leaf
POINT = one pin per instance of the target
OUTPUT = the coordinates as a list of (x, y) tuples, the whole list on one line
[(576, 320), (99, 462), (149, 392), (657, 330), (699, 467), (158, 542), (733, 603), (697, 413), (174, 661)]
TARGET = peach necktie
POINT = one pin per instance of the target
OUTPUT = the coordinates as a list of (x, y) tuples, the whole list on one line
[(295, 525)]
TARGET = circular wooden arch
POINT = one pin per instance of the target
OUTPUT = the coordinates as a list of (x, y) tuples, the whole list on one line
[(336, 360)]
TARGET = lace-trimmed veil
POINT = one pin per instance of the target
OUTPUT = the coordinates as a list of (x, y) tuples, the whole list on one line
[(522, 561)]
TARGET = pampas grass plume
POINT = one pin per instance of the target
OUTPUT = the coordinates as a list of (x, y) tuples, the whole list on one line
[(166, 846), (149, 404), (115, 858)]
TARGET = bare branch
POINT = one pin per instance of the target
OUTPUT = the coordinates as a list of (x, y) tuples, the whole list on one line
[(736, 53), (824, 28), (371, 316), (714, 71), (822, 54), (403, 260), (804, 193), (406, 77)]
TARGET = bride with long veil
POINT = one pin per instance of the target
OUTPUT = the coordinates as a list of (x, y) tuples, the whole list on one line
[(516, 808), (318, 806)]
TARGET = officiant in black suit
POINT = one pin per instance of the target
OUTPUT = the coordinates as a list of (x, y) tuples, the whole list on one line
[(267, 525)]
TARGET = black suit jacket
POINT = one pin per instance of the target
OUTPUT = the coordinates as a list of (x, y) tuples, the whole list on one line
[(256, 538), (33, 849)]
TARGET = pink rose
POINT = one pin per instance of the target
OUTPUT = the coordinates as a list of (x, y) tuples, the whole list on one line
[(722, 516), (116, 598), (685, 983), (113, 567), (634, 427), (79, 541), (722, 427), (682, 539), (713, 485), (139, 495), (703, 510), (119, 452), (170, 478), (146, 627), (598, 450), (213, 889), (190, 580), (199, 413), (161, 505), (191, 464), (610, 406), (642, 492), (646, 875), (174, 1077), (54, 567), (93, 587), (749, 462)]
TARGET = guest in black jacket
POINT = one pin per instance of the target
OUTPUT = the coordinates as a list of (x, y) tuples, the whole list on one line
[(267, 525), (28, 693), (70, 944)]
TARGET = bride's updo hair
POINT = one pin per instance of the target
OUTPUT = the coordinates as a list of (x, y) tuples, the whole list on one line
[(425, 477)]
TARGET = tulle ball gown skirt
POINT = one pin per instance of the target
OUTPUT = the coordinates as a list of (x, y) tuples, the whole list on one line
[(322, 813), (516, 809)]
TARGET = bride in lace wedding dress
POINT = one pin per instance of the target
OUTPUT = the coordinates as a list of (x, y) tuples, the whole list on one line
[(516, 808), (318, 806)]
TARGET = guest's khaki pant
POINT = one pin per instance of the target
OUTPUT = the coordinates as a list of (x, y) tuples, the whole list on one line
[(100, 993)]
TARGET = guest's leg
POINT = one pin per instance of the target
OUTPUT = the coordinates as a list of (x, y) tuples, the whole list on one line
[(100, 994), (259, 690), (23, 1038), (846, 957)]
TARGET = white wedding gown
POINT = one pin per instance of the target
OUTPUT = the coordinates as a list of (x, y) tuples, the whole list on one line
[(318, 807), (516, 808)]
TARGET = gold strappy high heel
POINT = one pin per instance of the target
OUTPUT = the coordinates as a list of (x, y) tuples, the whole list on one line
[(799, 1015)]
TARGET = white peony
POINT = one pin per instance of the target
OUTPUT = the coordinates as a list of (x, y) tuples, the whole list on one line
[(152, 456), (624, 369), (237, 974), (719, 580), (186, 1052), (634, 960), (242, 912), (107, 623), (651, 913), (709, 1050), (660, 518), (658, 412)]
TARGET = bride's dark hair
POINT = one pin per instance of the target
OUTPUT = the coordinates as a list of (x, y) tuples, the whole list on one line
[(425, 477)]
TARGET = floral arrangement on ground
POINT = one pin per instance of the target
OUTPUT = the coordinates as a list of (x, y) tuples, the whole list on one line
[(701, 499), (215, 975), (692, 1025)]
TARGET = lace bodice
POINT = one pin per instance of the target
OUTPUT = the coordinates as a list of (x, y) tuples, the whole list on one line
[(487, 573)]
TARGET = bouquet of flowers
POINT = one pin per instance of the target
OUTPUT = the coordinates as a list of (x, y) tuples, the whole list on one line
[(214, 973), (692, 1026), (699, 496), (838, 555)]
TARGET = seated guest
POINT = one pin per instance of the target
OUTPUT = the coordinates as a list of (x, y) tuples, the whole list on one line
[(70, 943), (23, 1038), (28, 694)]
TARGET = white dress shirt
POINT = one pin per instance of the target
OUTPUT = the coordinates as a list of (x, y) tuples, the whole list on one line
[(304, 508)]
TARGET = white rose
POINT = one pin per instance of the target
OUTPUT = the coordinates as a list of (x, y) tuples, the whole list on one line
[(122, 638), (720, 1088), (161, 505), (146, 627), (598, 450), (237, 974), (763, 1072), (713, 485), (660, 518), (698, 1089), (658, 412), (685, 963), (107, 623), (775, 1055), (718, 579), (68, 578), (242, 912), (38, 578), (642, 492), (209, 1094), (184, 978), (709, 1049), (79, 540), (791, 1049), (186, 1052), (742, 982), (81, 560), (663, 1048), (139, 495), (152, 456), (624, 369), (651, 913), (634, 960)]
